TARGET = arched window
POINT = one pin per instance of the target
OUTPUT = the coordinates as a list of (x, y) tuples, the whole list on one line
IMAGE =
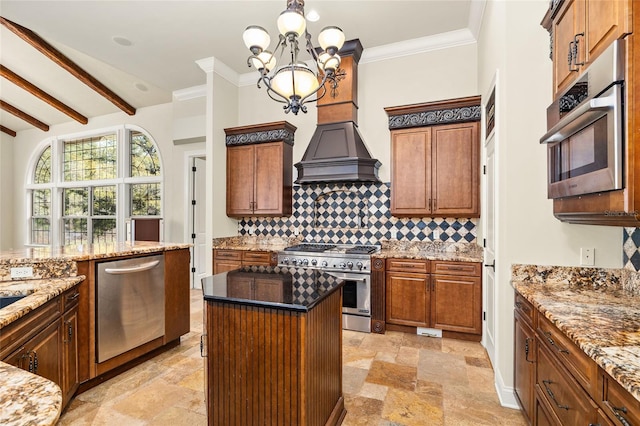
[(84, 189)]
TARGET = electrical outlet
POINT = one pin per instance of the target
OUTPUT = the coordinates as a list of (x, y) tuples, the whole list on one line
[(296, 231), (252, 230), (436, 234), (587, 256), (22, 272)]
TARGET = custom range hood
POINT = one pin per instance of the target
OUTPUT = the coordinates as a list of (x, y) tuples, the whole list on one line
[(336, 152)]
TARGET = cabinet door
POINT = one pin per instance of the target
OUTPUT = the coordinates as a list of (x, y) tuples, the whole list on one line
[(240, 287), (606, 21), (177, 299), (407, 299), (456, 304), (46, 352), (568, 23), (240, 178), (70, 376), (455, 170), (268, 186), (524, 342), (220, 266), (411, 172)]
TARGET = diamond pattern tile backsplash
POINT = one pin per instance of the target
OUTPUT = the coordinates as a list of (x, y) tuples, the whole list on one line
[(631, 249), (357, 213)]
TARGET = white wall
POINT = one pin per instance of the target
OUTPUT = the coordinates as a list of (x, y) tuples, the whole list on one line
[(431, 76), (513, 41), (7, 144), (156, 120)]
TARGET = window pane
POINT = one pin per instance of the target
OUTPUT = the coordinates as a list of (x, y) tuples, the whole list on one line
[(75, 231), (40, 228), (41, 202), (42, 173), (144, 157), (76, 202), (104, 201), (90, 158), (104, 231), (145, 199)]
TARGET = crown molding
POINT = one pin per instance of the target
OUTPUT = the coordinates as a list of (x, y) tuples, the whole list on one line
[(212, 64), (476, 12), (190, 93)]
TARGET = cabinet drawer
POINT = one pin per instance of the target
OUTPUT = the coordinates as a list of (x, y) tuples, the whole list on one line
[(619, 404), (227, 254), (561, 394), (70, 298), (455, 268), (256, 257), (408, 265), (523, 307), (583, 368)]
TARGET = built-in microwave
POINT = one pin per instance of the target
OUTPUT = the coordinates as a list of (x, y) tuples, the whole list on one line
[(586, 130)]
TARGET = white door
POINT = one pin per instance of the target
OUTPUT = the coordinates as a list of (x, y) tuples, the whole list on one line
[(489, 228), (199, 193)]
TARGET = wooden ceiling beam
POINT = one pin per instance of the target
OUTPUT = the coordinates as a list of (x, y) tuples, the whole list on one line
[(7, 131), (41, 94), (60, 59), (24, 116)]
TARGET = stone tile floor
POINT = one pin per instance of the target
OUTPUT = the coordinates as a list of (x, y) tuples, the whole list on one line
[(394, 379)]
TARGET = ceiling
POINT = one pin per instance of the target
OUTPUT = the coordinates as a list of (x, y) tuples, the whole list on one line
[(168, 37)]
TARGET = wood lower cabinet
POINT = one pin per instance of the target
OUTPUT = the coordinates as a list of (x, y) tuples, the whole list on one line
[(177, 303), (435, 294), (525, 355), (44, 342), (225, 260), (260, 170)]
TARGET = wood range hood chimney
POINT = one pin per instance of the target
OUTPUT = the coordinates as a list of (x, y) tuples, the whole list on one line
[(336, 152)]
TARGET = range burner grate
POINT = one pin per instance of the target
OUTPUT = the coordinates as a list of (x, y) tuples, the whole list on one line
[(361, 250), (316, 248)]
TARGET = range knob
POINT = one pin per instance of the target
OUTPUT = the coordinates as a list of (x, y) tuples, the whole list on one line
[(305, 262), (324, 264), (285, 260), (359, 265), (350, 265), (294, 262), (342, 265), (314, 262)]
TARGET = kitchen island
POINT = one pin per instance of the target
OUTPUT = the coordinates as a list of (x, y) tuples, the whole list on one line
[(273, 347)]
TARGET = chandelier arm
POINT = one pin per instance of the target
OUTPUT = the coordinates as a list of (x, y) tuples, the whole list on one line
[(267, 82)]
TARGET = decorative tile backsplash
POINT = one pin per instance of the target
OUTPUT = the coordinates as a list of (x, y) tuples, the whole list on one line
[(631, 249), (357, 213)]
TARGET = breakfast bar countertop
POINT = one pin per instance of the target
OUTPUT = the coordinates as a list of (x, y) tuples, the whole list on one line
[(598, 309)]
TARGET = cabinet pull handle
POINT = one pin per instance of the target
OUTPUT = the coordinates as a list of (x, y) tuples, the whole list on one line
[(429, 203), (435, 204), (575, 50), (552, 396), (570, 56), (203, 347), (518, 305), (526, 350), (73, 296), (617, 412), (553, 343), (35, 362)]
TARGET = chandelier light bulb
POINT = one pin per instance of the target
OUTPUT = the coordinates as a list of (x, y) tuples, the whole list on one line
[(268, 61), (291, 22), (256, 38), (331, 39), (328, 62), (295, 81)]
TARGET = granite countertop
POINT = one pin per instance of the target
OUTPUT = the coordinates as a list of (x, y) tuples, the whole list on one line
[(429, 250), (293, 289), (594, 309), (89, 251), (37, 292), (27, 399)]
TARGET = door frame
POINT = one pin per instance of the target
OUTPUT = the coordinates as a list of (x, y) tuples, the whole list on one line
[(189, 157)]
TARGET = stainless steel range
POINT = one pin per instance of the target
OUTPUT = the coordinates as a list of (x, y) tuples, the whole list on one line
[(351, 263)]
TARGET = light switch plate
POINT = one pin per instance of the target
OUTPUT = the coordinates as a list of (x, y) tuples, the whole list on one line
[(587, 256)]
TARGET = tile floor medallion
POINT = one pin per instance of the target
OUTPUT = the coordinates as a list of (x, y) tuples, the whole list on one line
[(394, 379)]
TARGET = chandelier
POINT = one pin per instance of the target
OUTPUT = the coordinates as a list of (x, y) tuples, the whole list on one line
[(295, 83)]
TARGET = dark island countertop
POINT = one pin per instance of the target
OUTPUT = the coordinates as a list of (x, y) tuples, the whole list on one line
[(293, 289)]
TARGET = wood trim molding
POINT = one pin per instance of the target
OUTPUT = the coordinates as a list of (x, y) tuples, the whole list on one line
[(260, 133), (24, 116), (61, 60), (41, 94), (8, 131), (440, 112)]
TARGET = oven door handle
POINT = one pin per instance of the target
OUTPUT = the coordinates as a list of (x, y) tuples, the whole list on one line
[(347, 276), (584, 115)]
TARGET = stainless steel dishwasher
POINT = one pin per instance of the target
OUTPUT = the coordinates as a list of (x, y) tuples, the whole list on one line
[(129, 304)]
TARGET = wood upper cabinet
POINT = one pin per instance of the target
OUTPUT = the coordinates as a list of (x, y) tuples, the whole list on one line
[(435, 169), (581, 30), (259, 170)]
